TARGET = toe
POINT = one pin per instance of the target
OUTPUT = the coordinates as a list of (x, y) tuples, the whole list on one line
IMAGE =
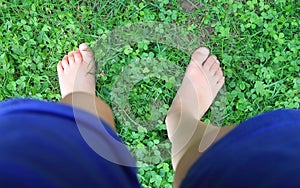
[(77, 56), (84, 47), (219, 73), (71, 58), (200, 55), (214, 68), (65, 62), (86, 52), (209, 62), (59, 68), (220, 82)]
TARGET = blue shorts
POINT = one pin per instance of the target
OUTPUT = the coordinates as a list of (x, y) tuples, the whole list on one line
[(45, 144), (263, 151), (42, 144)]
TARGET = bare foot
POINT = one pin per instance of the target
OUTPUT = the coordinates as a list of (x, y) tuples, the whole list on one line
[(202, 81), (75, 71)]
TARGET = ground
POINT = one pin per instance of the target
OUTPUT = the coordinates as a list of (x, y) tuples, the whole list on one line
[(257, 43)]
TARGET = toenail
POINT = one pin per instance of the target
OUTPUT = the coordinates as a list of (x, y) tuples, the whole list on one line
[(204, 50), (214, 57), (83, 46)]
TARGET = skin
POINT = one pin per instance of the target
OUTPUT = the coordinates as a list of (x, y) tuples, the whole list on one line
[(202, 82), (75, 72)]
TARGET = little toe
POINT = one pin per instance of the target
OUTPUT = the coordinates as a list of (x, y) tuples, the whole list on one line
[(200, 55), (65, 62), (59, 68), (209, 62)]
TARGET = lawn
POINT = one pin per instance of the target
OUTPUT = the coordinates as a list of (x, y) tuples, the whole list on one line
[(142, 49)]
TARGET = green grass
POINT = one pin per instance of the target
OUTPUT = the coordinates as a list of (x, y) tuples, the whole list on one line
[(257, 43)]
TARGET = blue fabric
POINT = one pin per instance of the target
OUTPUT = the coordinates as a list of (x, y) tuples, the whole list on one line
[(42, 145), (263, 151)]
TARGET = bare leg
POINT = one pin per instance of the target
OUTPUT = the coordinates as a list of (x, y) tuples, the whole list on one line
[(202, 81), (189, 157), (77, 83)]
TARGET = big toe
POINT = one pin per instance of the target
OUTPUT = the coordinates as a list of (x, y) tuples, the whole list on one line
[(86, 52), (200, 55)]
